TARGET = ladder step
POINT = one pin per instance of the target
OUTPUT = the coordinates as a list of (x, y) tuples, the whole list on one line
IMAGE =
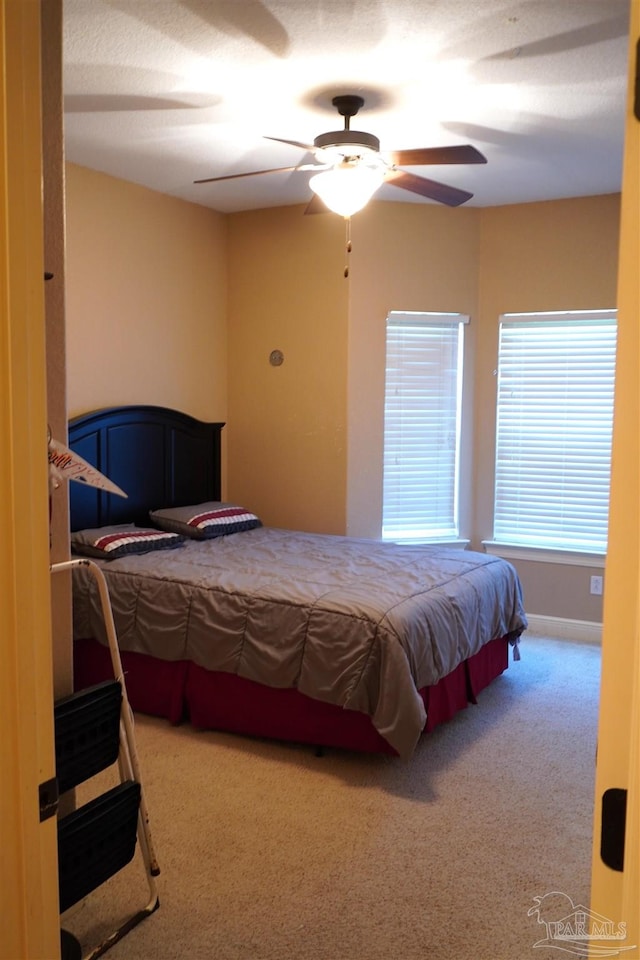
[(87, 733), (96, 841)]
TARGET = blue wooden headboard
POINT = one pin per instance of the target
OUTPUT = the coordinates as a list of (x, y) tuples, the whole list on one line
[(159, 457)]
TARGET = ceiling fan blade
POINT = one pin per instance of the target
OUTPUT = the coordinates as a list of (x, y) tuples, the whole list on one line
[(292, 143), (250, 173), (452, 196), (464, 153)]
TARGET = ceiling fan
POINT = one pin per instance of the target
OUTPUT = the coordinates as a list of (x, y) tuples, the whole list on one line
[(349, 167)]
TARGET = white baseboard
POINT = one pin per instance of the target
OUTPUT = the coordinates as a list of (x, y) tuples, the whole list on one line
[(586, 631)]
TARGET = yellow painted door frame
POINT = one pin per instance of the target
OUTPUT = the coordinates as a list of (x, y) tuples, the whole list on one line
[(30, 926), (615, 893)]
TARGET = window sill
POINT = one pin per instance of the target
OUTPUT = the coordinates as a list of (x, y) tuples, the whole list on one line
[(453, 544), (545, 554)]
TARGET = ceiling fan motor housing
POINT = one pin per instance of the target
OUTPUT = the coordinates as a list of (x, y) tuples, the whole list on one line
[(347, 106), (347, 138)]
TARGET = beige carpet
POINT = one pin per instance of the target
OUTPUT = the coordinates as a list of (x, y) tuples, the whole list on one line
[(269, 852)]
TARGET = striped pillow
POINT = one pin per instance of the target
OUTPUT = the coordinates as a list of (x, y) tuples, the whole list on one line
[(203, 521), (109, 543)]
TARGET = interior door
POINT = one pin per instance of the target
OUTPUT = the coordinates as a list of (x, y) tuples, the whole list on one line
[(615, 894), (28, 864)]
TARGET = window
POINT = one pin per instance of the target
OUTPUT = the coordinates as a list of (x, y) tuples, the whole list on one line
[(422, 414), (556, 375)]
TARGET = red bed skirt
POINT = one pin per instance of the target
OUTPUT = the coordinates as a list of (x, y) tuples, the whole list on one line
[(222, 701)]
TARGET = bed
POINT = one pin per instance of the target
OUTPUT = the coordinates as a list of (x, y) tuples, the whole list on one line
[(332, 641)]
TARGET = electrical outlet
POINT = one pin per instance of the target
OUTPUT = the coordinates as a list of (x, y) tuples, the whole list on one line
[(596, 586)]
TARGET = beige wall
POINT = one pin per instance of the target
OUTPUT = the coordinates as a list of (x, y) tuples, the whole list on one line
[(287, 449), (548, 256), (149, 321), (146, 298)]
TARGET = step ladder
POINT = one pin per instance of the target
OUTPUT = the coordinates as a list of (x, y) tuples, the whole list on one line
[(94, 729)]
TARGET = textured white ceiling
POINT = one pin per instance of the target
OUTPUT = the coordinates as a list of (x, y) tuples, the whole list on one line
[(165, 92)]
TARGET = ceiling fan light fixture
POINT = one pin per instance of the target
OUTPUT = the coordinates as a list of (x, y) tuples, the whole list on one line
[(347, 187)]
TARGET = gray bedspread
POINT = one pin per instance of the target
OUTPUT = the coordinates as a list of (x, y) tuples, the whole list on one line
[(358, 623)]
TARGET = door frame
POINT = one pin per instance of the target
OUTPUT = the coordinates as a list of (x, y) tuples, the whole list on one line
[(615, 894), (28, 868)]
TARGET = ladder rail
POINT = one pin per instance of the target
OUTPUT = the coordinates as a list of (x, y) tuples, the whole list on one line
[(116, 662), (128, 762)]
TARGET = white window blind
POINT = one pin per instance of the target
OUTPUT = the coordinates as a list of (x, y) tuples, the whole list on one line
[(423, 388), (556, 374)]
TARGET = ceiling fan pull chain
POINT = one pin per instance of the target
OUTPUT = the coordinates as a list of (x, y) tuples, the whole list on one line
[(347, 244)]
